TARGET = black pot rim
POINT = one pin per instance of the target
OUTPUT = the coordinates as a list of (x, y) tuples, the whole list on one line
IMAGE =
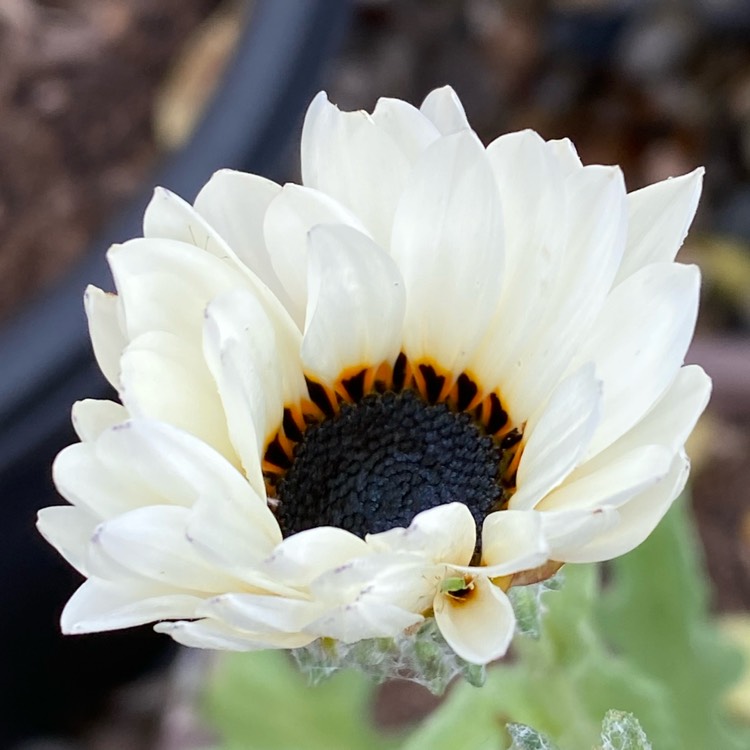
[(45, 355)]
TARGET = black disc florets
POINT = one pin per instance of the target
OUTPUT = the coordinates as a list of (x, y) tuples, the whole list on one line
[(382, 460)]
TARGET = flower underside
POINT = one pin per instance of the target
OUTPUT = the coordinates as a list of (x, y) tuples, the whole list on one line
[(384, 444)]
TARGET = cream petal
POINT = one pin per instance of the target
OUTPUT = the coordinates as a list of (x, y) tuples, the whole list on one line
[(556, 438), (167, 283), (409, 128), (235, 537), (668, 423), (568, 530), (102, 605), (365, 618), (216, 635), (169, 217), (253, 378), (479, 628), (447, 242), (636, 519), (532, 194), (613, 484), (512, 540), (68, 530), (371, 575), (108, 337), (565, 154), (262, 614), (91, 417), (593, 248), (289, 219), (91, 484), (444, 109), (355, 307), (176, 466), (347, 156), (304, 556), (165, 378), (446, 533), (659, 218), (653, 313), (235, 205), (152, 543), (141, 462), (164, 285)]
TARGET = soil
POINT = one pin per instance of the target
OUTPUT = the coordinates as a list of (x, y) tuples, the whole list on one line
[(77, 88)]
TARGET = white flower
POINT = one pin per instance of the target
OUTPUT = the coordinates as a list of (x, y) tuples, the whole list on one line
[(327, 389)]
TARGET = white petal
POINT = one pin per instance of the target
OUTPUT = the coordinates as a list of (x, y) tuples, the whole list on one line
[(446, 533), (164, 285), (167, 283), (152, 542), (107, 335), (512, 540), (558, 436), (447, 242), (169, 217), (365, 618), (639, 342), (567, 531), (235, 205), (91, 417), (565, 154), (593, 248), (178, 466), (444, 109), (68, 530), (346, 155), (165, 378), (101, 605), (532, 194), (613, 484), (355, 307), (636, 519), (103, 490), (289, 219), (670, 421), (660, 216), (480, 628), (302, 557), (254, 382), (409, 128), (216, 635), (235, 537), (262, 614), (142, 462), (380, 574)]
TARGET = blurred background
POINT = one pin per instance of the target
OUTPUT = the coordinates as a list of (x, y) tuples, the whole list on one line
[(102, 99)]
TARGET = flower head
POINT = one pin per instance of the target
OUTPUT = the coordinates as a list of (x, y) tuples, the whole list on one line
[(431, 372)]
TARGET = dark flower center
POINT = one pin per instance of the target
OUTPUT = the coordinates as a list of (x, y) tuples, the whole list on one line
[(385, 458)]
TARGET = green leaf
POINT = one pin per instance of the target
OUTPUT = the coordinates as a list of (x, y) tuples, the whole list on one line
[(655, 613), (260, 701), (621, 731)]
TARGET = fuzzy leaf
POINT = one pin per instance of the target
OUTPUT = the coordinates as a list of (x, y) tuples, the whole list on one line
[(526, 738), (621, 731)]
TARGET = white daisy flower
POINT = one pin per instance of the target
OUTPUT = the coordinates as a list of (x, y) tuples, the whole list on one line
[(431, 372)]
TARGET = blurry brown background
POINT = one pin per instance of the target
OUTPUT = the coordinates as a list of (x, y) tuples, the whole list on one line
[(94, 92)]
